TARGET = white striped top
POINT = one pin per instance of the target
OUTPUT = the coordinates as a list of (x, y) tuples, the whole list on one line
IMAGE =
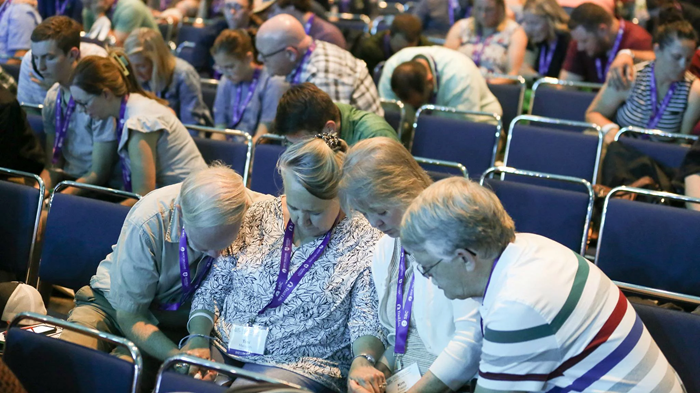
[(637, 110)]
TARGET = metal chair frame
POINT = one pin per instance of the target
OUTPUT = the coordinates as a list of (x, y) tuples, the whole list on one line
[(402, 110), (443, 163), (34, 108), (569, 179), (518, 79), (657, 133), (570, 123), (640, 288), (231, 132), (385, 18), (110, 338)]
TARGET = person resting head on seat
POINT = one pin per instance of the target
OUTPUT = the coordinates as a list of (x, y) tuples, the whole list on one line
[(380, 180), (321, 323), (664, 96), (305, 111)]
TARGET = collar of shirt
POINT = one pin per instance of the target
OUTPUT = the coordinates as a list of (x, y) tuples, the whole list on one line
[(173, 233), (433, 70)]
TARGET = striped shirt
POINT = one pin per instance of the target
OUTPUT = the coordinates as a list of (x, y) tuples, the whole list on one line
[(343, 77), (554, 322), (637, 111)]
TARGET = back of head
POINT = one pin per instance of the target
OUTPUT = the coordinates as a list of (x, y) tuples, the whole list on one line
[(213, 197), (408, 25), (550, 9), (150, 44), (590, 16), (408, 78), (672, 26), (62, 29), (304, 108), (280, 30), (299, 5), (316, 164), (380, 172), (94, 74), (234, 43), (457, 213)]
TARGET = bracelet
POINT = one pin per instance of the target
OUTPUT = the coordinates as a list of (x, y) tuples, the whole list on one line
[(367, 356), (186, 338)]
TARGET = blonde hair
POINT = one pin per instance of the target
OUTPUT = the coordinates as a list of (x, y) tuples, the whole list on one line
[(150, 44), (556, 17), (380, 172), (213, 197), (457, 213), (316, 164)]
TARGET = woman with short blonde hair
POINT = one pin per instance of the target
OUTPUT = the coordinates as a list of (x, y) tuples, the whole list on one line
[(442, 337), (545, 24), (167, 76), (321, 323)]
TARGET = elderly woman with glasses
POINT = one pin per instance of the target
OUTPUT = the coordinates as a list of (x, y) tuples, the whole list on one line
[(552, 321), (247, 96), (435, 339)]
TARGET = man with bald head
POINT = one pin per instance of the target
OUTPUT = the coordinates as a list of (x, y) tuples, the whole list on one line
[(286, 50)]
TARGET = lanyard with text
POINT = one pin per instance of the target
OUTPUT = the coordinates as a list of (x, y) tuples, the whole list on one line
[(61, 8), (284, 287), (240, 107), (62, 123), (403, 312), (658, 112), (307, 25), (188, 287), (546, 56), (611, 56), (481, 321), (476, 56), (126, 173), (297, 73)]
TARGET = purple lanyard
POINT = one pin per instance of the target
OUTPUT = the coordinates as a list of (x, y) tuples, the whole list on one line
[(4, 8), (452, 6), (658, 112), (240, 107), (62, 123), (481, 321), (476, 56), (284, 287), (613, 53), (61, 8), (188, 287), (546, 58), (126, 173), (403, 310), (307, 25), (296, 79)]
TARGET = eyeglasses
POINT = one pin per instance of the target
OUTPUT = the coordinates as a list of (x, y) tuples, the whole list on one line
[(262, 56), (426, 272), (222, 68)]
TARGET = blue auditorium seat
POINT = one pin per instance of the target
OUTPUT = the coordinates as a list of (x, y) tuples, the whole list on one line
[(510, 96), (264, 177), (562, 99), (471, 144), (667, 153), (394, 113), (236, 154)]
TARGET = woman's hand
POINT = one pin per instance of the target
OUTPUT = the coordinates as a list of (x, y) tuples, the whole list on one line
[(199, 347), (366, 377)]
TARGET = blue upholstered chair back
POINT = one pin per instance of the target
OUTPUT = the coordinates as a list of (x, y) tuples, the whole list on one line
[(18, 215), (547, 150), (79, 234), (173, 382), (46, 364), (209, 87), (560, 103), (677, 334), (231, 153), (655, 144), (264, 176), (458, 140), (650, 245), (510, 95), (37, 124)]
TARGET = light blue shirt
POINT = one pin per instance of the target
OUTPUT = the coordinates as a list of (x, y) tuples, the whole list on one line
[(184, 95), (16, 26), (29, 92), (461, 85)]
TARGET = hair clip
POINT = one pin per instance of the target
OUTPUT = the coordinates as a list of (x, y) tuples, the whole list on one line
[(331, 139), (122, 62)]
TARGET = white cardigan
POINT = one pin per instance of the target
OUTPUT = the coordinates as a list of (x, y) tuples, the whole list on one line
[(449, 329)]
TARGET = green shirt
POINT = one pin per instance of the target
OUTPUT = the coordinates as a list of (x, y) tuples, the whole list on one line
[(128, 15), (356, 125)]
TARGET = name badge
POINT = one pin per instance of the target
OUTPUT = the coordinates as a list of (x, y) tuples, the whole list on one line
[(403, 380), (245, 340)]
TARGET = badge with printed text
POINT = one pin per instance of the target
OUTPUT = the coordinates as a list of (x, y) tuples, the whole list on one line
[(245, 340), (403, 380)]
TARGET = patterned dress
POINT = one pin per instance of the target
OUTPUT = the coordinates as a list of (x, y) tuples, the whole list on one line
[(489, 53), (334, 304)]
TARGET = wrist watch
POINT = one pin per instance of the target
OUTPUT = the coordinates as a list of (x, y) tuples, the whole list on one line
[(627, 52), (367, 356)]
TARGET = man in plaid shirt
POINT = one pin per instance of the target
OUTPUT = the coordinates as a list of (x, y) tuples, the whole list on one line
[(286, 50)]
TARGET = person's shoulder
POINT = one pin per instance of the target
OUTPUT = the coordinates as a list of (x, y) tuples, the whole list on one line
[(154, 206), (51, 96), (636, 32), (183, 69)]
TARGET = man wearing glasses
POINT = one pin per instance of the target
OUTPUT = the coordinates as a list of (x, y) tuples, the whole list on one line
[(286, 50)]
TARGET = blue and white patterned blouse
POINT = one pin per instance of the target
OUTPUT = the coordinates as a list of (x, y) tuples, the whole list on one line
[(334, 304)]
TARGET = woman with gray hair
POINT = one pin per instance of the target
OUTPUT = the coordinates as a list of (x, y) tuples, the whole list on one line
[(294, 298), (552, 321), (440, 342)]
